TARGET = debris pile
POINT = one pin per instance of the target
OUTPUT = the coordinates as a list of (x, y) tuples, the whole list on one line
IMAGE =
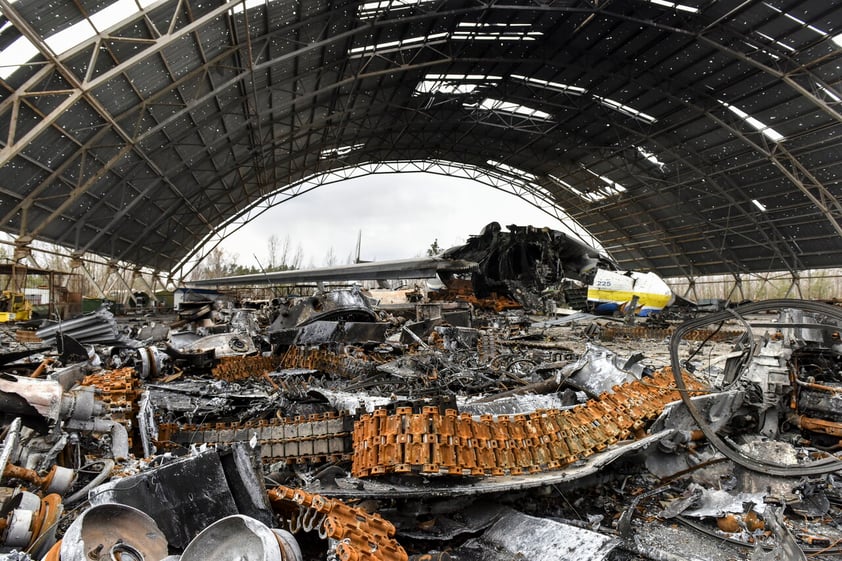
[(329, 427)]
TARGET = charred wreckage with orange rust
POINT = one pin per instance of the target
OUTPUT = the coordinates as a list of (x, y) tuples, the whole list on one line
[(479, 421)]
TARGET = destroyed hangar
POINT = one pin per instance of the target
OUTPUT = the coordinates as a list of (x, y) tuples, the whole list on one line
[(476, 421)]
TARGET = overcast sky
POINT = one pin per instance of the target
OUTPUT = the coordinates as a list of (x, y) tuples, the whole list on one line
[(400, 215)]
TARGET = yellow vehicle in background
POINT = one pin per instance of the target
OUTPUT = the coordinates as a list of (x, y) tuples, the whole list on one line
[(13, 303), (14, 307)]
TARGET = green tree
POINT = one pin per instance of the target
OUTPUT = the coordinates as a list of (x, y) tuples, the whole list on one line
[(434, 248)]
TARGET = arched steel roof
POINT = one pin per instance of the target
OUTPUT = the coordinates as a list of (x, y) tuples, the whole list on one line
[(690, 137)]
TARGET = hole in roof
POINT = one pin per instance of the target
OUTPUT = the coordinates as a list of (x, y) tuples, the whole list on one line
[(651, 157), (509, 108), (370, 10), (511, 170), (675, 6), (555, 86), (625, 109), (22, 50), (247, 5), (454, 83), (392, 46), (612, 187), (589, 197), (767, 131), (15, 55), (475, 31), (339, 151)]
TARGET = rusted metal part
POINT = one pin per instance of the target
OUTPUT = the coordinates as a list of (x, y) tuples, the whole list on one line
[(120, 390), (27, 336), (431, 442), (461, 290), (817, 425), (58, 480), (612, 332), (235, 368), (41, 368), (343, 365), (362, 536), (315, 438)]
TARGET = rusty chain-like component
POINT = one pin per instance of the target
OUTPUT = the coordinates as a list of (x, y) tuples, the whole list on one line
[(434, 442), (431, 442), (120, 390), (314, 438), (362, 536), (343, 365), (236, 368), (611, 332)]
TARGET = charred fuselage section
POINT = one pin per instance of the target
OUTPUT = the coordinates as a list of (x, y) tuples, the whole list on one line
[(528, 265)]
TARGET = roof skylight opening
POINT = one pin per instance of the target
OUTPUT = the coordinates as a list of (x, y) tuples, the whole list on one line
[(625, 109), (370, 10), (768, 132), (339, 151), (454, 84), (651, 157), (759, 205), (392, 46), (589, 197), (509, 108), (247, 5), (547, 85), (475, 31), (675, 6), (512, 170), (15, 55)]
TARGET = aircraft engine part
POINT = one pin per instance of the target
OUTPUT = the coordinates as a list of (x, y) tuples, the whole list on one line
[(347, 305), (58, 480), (28, 396), (789, 355), (241, 537), (112, 531), (30, 519), (223, 344), (151, 360)]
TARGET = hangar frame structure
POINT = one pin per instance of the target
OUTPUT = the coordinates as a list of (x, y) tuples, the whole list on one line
[(690, 138)]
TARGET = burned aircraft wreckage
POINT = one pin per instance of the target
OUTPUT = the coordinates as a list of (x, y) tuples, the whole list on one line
[(331, 426)]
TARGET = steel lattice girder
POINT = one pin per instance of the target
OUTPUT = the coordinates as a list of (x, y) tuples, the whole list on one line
[(654, 126)]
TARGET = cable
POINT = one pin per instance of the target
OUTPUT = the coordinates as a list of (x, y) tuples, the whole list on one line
[(817, 467)]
